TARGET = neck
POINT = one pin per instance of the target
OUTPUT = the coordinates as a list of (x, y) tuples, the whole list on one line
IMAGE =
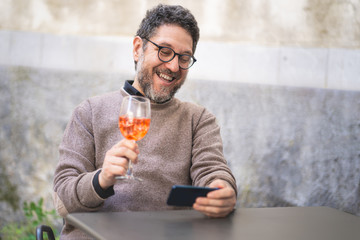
[(137, 86)]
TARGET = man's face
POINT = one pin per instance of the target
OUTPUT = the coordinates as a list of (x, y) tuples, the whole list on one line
[(157, 80)]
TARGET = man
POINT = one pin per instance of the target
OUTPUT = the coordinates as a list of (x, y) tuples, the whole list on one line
[(183, 145)]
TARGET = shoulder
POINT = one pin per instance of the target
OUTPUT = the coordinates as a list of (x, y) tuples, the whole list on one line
[(98, 105), (196, 111), (189, 106), (100, 101), (106, 98)]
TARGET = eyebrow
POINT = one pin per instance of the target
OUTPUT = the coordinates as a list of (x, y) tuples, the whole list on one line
[(164, 44)]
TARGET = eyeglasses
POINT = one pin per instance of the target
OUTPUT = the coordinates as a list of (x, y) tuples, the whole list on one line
[(166, 54)]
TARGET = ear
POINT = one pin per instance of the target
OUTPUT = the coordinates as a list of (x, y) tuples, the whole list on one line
[(137, 48)]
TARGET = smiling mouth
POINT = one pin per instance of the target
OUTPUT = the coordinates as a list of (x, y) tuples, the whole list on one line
[(166, 77)]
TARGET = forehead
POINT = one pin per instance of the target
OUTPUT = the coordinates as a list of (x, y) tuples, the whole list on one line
[(174, 36)]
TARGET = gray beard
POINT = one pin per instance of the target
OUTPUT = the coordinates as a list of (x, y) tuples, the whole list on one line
[(145, 81)]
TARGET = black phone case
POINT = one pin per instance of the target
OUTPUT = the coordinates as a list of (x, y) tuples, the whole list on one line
[(181, 195)]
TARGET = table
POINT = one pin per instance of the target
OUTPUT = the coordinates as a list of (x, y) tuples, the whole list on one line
[(290, 223)]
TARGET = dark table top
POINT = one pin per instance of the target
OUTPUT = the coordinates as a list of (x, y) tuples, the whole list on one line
[(290, 223)]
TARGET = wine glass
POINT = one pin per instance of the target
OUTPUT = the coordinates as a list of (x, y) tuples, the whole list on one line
[(134, 123)]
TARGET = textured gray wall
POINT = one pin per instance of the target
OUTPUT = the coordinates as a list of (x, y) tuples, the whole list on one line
[(286, 146), (311, 23), (35, 107)]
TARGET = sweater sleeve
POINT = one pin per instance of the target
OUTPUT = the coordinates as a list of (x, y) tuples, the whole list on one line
[(76, 168), (208, 162)]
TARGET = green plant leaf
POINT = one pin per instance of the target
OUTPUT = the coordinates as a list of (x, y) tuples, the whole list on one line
[(34, 214)]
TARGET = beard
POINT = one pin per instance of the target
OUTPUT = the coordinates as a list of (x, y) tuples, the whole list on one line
[(165, 93)]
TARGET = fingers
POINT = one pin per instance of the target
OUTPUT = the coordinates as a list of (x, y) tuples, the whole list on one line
[(125, 148), (116, 161), (221, 203), (218, 183), (214, 212), (218, 203), (213, 207), (114, 166)]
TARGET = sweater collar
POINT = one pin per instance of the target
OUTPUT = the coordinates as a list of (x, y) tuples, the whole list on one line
[(128, 89)]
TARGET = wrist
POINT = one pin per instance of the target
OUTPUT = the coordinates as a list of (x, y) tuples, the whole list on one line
[(103, 192), (102, 182)]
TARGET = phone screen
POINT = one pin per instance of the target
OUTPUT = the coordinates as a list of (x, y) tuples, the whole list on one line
[(182, 195)]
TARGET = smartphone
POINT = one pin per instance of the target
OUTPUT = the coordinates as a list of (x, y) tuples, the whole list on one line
[(183, 195)]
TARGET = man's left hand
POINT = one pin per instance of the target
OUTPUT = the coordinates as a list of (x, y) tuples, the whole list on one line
[(218, 203)]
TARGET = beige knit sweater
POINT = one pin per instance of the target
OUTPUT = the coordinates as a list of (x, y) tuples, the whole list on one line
[(183, 146)]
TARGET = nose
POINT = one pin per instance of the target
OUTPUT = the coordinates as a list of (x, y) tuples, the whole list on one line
[(173, 65)]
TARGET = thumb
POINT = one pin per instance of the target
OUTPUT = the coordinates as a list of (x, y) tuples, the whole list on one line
[(218, 183)]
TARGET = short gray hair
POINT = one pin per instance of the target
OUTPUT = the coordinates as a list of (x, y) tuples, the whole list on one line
[(169, 14)]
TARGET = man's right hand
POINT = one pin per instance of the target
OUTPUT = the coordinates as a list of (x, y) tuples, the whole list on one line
[(116, 161)]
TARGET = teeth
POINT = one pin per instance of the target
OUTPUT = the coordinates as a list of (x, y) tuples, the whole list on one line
[(165, 77)]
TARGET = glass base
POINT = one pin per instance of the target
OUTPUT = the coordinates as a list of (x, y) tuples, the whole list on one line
[(128, 177)]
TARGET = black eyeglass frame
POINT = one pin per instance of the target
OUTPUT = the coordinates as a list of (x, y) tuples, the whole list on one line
[(175, 54)]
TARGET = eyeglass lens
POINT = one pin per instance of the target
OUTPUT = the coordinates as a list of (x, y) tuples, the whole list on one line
[(167, 54)]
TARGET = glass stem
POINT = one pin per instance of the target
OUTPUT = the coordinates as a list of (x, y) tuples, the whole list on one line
[(129, 172)]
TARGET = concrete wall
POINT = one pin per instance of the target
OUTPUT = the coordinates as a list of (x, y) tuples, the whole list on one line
[(311, 23), (308, 43), (290, 70), (332, 68)]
